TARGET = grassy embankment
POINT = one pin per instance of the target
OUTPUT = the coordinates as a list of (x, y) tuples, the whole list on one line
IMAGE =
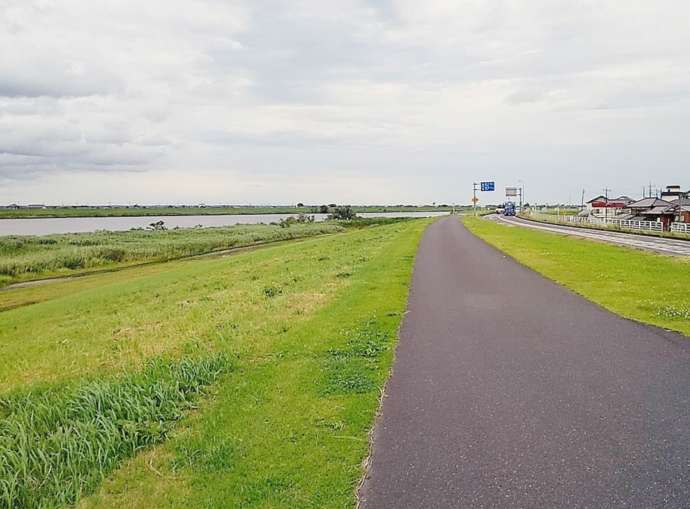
[(195, 211), (305, 333), (24, 258), (642, 286)]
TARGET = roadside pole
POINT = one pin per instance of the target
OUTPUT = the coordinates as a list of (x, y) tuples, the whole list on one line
[(485, 186), (474, 197), (680, 208), (606, 206)]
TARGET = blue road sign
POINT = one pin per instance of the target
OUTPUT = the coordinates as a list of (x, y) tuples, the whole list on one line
[(488, 186)]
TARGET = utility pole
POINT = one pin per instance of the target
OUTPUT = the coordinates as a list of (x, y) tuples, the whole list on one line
[(606, 208), (582, 201), (681, 197), (474, 197)]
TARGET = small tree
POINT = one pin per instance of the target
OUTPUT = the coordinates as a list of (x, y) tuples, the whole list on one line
[(343, 213)]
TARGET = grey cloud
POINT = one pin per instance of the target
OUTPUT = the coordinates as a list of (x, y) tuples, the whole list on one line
[(292, 54), (277, 138), (68, 148), (18, 86), (439, 91)]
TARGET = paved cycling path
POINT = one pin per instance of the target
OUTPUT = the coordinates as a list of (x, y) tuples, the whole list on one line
[(510, 391)]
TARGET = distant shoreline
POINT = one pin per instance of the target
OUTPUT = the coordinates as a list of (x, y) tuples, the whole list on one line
[(82, 212)]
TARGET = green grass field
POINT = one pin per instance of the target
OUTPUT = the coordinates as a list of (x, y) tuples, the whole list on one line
[(23, 258), (197, 211), (305, 330), (642, 286)]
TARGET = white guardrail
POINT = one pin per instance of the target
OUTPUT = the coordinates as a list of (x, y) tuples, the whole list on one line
[(597, 221)]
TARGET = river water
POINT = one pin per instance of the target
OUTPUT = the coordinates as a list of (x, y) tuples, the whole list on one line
[(49, 226)]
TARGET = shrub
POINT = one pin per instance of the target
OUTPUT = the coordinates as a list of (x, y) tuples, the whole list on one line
[(157, 226), (300, 219), (11, 244), (112, 254), (343, 213), (71, 261), (272, 291)]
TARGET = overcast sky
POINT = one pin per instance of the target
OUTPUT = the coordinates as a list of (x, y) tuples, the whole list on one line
[(389, 101)]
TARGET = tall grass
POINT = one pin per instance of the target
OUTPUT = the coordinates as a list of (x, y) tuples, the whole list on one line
[(56, 445), (29, 257)]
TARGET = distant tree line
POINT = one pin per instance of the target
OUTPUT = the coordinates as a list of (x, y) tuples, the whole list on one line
[(339, 212)]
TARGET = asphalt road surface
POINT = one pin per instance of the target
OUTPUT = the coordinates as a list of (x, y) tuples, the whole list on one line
[(647, 242), (510, 391)]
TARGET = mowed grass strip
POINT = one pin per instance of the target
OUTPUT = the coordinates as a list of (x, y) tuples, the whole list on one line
[(288, 427), (23, 258), (642, 286), (57, 444), (107, 322)]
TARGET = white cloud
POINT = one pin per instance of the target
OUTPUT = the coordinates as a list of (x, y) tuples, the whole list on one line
[(274, 101)]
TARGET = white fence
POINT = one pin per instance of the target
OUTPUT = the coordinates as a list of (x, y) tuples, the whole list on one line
[(654, 226), (680, 227)]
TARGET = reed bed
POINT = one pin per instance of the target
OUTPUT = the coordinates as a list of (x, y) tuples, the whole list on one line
[(29, 257), (57, 445)]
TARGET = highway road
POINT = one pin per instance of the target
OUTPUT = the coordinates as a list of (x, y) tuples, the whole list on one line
[(510, 391), (647, 242)]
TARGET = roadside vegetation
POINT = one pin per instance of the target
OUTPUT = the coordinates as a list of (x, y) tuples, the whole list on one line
[(7, 213), (244, 381), (642, 286), (564, 211), (24, 258)]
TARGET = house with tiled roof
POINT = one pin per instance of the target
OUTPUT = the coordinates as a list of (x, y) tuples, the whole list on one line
[(681, 207), (653, 209), (660, 210)]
